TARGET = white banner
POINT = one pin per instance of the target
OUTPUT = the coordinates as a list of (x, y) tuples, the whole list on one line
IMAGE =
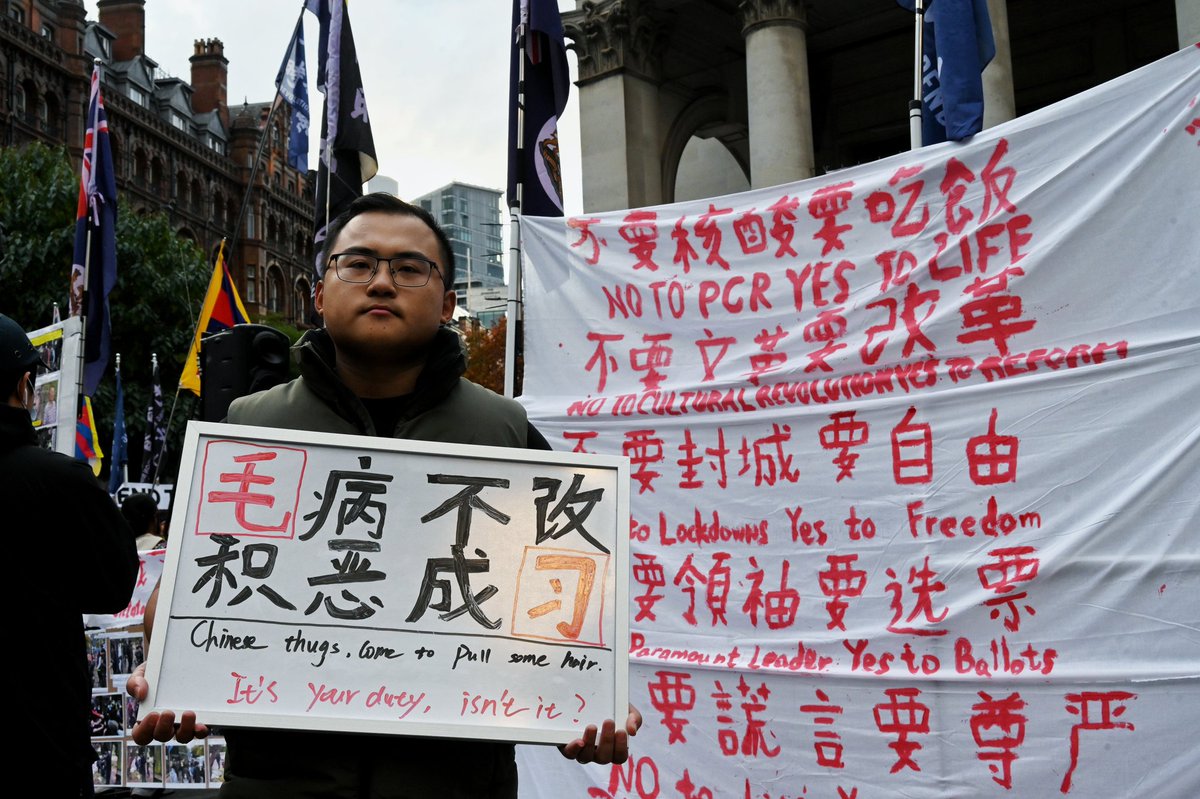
[(915, 461)]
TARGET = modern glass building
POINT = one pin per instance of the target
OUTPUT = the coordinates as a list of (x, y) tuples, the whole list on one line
[(470, 216)]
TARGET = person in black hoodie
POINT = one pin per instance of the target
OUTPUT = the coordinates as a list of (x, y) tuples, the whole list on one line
[(85, 563)]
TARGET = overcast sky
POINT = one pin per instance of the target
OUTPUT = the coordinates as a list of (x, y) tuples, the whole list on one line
[(435, 73)]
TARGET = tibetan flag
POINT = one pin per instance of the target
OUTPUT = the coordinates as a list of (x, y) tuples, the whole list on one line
[(87, 440), (292, 83), (533, 161), (222, 310), (958, 44), (94, 270), (120, 440), (347, 146)]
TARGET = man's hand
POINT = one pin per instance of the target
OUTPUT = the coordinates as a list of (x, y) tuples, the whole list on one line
[(160, 726), (612, 746)]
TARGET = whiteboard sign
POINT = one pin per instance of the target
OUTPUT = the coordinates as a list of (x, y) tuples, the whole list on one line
[(373, 585)]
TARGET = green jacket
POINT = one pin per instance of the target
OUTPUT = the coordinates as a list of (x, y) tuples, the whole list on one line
[(292, 764)]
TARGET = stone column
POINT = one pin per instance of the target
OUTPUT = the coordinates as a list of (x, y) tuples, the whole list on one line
[(999, 101), (618, 48), (778, 102), (1187, 21)]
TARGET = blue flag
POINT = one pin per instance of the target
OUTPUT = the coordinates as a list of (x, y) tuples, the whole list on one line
[(292, 82), (533, 163), (958, 44), (97, 215), (120, 440), (347, 146)]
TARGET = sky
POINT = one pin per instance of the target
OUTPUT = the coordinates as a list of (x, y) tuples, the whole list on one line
[(435, 75)]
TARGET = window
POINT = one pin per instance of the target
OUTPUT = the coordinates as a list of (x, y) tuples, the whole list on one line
[(47, 31), (251, 272), (179, 121), (274, 291), (138, 96), (19, 100), (16, 13)]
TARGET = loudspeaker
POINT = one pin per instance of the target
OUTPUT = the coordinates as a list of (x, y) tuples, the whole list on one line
[(239, 361)]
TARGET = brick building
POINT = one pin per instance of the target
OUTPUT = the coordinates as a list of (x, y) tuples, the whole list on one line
[(178, 146)]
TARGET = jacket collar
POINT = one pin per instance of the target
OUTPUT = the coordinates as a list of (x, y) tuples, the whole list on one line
[(16, 428)]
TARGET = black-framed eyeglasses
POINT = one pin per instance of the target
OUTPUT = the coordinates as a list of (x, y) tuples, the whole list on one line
[(407, 271)]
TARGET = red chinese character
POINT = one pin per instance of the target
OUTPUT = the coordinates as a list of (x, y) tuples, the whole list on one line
[(923, 586), (641, 231), (710, 235), (954, 187), (689, 462), (1096, 711), (650, 359), (685, 253), (842, 433), (992, 458), (670, 695), (244, 496), (719, 452), (716, 582), (607, 363), (912, 451), (649, 573), (579, 437), (881, 205), (712, 342), (751, 232), (826, 204), (753, 741), (643, 448), (1013, 566), (584, 226), (839, 582), (903, 716), (779, 606), (829, 326), (996, 317), (769, 360), (914, 298), (783, 220), (997, 181), (827, 743), (769, 467), (998, 727)]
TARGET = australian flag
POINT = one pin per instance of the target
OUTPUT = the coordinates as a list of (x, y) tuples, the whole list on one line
[(93, 278), (292, 82), (958, 44), (533, 162), (347, 146)]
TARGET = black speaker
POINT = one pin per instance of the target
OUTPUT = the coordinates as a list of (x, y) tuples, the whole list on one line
[(239, 361)]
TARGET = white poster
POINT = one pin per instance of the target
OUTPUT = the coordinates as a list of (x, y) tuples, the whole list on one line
[(915, 461)]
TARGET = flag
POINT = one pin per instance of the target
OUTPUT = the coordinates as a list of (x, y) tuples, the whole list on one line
[(87, 440), (97, 214), (292, 83), (155, 442), (120, 441), (222, 310), (958, 44), (347, 147), (533, 163)]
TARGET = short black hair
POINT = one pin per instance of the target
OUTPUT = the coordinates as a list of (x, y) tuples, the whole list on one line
[(139, 510), (389, 204)]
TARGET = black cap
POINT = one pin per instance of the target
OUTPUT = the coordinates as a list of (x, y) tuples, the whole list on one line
[(17, 355)]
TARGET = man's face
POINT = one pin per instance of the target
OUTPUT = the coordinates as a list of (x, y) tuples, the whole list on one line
[(378, 323)]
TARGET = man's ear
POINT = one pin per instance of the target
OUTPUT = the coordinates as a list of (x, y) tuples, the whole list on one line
[(449, 302), (319, 298)]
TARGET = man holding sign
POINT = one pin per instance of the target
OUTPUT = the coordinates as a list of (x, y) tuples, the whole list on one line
[(383, 365)]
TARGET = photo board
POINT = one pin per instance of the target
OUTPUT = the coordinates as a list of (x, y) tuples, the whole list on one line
[(349, 583)]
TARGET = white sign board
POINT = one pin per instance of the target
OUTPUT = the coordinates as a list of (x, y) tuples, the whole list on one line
[(915, 451), (373, 585)]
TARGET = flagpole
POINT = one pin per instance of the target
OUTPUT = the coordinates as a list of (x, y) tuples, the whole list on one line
[(87, 247), (514, 232), (914, 105)]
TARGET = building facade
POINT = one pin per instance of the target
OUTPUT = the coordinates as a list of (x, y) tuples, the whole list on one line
[(683, 99), (178, 147), (470, 215)]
